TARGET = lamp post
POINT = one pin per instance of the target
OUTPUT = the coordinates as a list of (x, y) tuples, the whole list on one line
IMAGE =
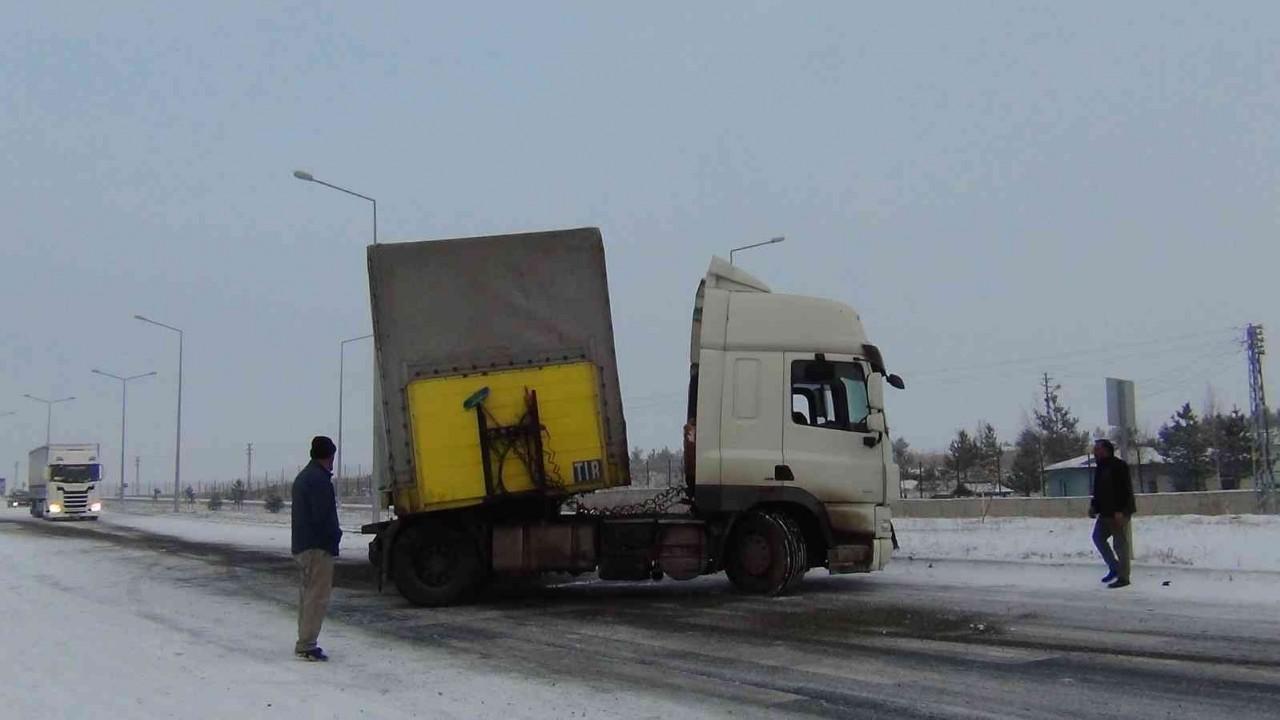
[(308, 177), (771, 241), (177, 445), (15, 465), (305, 176), (124, 402), (48, 420), (342, 361)]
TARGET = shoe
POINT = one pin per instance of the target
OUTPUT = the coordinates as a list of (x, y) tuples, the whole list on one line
[(1110, 578), (312, 655), (1119, 584)]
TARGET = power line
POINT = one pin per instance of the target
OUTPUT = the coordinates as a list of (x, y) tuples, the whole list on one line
[(1108, 351)]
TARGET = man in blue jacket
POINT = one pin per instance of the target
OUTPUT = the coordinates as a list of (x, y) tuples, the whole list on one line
[(315, 544)]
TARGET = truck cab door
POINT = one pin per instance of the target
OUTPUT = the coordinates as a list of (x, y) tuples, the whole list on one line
[(827, 441), (750, 427)]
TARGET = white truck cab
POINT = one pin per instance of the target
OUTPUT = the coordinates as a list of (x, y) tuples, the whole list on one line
[(787, 408), (63, 480)]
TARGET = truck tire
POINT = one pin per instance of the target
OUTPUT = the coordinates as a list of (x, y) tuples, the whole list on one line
[(761, 559), (435, 564), (800, 552)]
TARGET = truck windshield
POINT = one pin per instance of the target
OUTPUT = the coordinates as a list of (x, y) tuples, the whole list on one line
[(73, 473)]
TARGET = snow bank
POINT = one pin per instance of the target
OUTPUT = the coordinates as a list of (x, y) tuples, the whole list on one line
[(1230, 542)]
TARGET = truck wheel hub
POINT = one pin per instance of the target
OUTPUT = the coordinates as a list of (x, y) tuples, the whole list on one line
[(756, 555)]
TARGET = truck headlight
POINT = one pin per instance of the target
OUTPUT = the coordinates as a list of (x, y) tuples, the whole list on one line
[(55, 508), (96, 507)]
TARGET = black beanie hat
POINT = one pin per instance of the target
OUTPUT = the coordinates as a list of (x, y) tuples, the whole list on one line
[(322, 448)]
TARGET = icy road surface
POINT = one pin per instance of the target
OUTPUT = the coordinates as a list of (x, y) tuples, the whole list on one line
[(170, 618)]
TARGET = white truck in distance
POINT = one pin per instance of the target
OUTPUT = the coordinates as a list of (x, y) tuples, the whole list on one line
[(63, 481)]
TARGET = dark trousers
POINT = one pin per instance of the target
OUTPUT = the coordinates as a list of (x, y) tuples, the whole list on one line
[(1104, 529)]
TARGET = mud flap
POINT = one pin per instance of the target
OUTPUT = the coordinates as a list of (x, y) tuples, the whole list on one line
[(386, 541)]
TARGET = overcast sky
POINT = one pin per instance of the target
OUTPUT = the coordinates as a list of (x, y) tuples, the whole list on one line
[(1000, 189)]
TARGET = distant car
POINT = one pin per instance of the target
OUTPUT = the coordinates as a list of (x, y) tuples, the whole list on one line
[(19, 498)]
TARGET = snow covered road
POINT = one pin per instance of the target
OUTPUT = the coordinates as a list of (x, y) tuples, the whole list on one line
[(160, 618)]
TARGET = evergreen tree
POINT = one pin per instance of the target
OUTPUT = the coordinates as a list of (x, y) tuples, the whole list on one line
[(989, 452), (1026, 473), (902, 455), (962, 454), (273, 503), (237, 493), (1184, 442), (1232, 448), (1061, 438)]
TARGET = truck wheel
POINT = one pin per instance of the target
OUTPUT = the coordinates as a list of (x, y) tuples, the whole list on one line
[(375, 551), (761, 556), (434, 564), (800, 552)]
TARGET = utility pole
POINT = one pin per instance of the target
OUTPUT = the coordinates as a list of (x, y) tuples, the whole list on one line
[(1263, 474), (248, 468), (137, 475), (1048, 386)]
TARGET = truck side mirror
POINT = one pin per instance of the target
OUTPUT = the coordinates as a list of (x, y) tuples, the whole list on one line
[(875, 423), (896, 381)]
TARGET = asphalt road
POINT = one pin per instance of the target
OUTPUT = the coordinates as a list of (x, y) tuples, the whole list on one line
[(899, 644)]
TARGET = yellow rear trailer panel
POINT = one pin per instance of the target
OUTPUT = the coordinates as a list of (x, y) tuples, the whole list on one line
[(449, 453)]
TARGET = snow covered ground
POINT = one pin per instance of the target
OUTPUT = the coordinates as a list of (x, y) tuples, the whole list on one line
[(1235, 542), (253, 528), (151, 627), (91, 631)]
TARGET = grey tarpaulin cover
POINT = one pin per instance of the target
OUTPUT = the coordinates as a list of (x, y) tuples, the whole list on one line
[(447, 306)]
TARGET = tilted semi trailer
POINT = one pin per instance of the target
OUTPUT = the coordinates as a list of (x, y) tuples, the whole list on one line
[(500, 404)]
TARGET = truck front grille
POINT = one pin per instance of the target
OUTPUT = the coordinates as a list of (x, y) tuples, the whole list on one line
[(75, 501)]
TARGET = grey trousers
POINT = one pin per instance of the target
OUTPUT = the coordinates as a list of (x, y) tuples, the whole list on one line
[(316, 570), (1104, 529)]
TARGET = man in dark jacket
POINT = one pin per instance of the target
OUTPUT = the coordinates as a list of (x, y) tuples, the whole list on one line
[(1113, 506), (315, 544)]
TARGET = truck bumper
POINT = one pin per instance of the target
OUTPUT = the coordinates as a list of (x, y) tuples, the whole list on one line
[(864, 537), (71, 516), (842, 559)]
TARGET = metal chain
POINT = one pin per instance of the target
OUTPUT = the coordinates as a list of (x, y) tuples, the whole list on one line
[(654, 505)]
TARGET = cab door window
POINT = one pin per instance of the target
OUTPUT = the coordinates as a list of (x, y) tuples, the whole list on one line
[(830, 395)]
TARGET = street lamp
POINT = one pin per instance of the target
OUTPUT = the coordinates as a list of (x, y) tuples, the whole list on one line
[(342, 358), (48, 420), (15, 465), (771, 241), (177, 445), (124, 401), (308, 177)]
